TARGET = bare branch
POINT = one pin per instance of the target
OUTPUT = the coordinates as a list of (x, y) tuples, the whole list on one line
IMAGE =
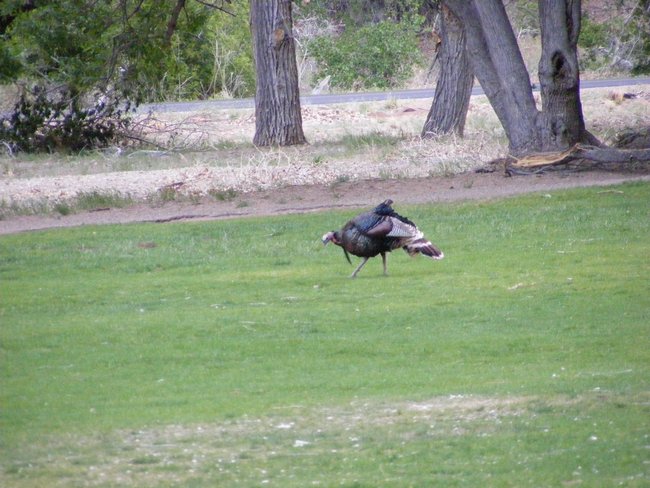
[(171, 25), (217, 7)]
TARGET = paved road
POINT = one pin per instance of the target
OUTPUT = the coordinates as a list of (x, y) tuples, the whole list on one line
[(356, 97)]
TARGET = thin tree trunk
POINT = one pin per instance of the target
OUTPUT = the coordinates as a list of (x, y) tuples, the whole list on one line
[(277, 100), (454, 87), (171, 25)]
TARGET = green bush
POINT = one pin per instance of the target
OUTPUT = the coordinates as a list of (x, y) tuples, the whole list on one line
[(618, 44), (593, 35), (375, 56), (232, 71)]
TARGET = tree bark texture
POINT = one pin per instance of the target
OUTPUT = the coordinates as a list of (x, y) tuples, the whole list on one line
[(277, 98), (561, 121), (454, 87), (498, 65)]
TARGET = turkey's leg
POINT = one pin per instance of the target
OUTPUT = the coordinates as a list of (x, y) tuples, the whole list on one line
[(383, 260), (365, 260)]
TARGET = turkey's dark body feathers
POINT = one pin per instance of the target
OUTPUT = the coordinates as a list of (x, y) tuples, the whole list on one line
[(381, 231), (357, 237)]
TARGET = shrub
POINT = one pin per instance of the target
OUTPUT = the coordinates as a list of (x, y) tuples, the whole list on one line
[(44, 122), (378, 56), (592, 34), (619, 43)]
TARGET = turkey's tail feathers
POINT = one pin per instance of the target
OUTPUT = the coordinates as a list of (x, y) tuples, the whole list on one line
[(425, 247)]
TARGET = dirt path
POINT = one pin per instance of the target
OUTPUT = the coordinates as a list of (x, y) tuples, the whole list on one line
[(314, 198)]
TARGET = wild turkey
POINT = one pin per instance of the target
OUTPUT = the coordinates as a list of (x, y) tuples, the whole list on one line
[(379, 232)]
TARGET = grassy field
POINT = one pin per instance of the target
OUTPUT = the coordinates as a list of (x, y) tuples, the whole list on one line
[(238, 353)]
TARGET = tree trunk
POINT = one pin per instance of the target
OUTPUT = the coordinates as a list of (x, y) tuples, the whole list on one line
[(277, 99), (498, 65), (171, 25), (454, 87), (561, 122)]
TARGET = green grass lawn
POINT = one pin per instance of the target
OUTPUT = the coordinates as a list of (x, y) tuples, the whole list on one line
[(240, 353)]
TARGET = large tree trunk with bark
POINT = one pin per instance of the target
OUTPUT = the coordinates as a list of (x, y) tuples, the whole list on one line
[(454, 87), (277, 98), (498, 65), (561, 122)]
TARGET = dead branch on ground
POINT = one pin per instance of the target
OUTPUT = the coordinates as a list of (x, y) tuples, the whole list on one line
[(580, 157)]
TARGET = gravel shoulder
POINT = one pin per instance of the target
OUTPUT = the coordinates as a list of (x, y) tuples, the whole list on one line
[(316, 198)]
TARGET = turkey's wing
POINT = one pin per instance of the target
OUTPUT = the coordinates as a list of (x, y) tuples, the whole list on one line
[(382, 229), (401, 229)]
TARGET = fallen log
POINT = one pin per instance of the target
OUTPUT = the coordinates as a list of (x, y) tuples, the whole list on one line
[(581, 158)]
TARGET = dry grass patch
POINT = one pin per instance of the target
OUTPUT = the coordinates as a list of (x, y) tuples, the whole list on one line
[(299, 445)]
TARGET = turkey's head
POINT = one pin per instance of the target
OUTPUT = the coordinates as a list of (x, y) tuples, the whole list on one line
[(332, 236)]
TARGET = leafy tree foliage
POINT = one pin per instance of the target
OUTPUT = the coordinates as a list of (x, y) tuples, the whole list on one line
[(358, 13), (231, 71), (127, 45), (78, 55)]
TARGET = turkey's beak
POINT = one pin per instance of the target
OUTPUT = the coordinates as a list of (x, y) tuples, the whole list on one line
[(326, 238)]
